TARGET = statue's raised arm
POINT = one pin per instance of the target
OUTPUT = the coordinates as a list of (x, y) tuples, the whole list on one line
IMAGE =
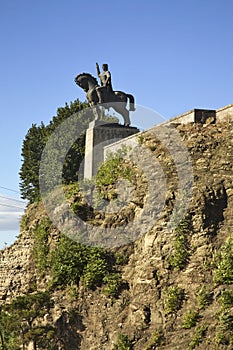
[(98, 69)]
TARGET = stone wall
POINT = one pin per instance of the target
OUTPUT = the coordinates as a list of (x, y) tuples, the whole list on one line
[(224, 113), (193, 116)]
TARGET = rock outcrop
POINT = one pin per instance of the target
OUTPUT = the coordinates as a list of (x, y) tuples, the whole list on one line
[(174, 297)]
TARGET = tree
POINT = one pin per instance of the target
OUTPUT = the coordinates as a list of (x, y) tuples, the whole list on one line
[(31, 152), (23, 311), (9, 331), (35, 141)]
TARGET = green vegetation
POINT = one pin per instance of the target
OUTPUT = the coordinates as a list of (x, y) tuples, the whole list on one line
[(41, 248), (96, 268), (17, 327), (224, 334), (203, 297), (123, 343), (174, 297), (114, 284), (156, 340), (121, 259), (224, 331), (198, 336), (114, 168), (72, 261), (223, 273), (35, 141), (190, 319), (180, 256), (226, 299)]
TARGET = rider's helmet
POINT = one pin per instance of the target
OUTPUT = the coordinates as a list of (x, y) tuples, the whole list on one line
[(105, 66)]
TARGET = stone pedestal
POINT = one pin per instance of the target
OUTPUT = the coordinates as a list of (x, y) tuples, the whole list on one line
[(98, 135)]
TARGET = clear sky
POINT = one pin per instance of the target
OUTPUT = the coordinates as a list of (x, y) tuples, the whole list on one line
[(172, 55)]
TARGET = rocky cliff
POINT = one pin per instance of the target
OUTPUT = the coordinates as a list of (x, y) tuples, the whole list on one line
[(176, 290)]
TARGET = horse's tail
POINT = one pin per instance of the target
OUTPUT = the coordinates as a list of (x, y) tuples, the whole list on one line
[(131, 102)]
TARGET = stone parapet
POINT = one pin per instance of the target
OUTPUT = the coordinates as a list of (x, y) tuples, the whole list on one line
[(224, 113)]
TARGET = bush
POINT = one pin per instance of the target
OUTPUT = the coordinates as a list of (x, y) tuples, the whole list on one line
[(113, 284), (123, 343), (198, 336), (180, 256), (157, 340), (223, 273), (226, 299), (72, 261), (40, 248), (68, 262), (203, 297), (174, 299), (190, 319), (224, 333), (112, 170), (94, 271)]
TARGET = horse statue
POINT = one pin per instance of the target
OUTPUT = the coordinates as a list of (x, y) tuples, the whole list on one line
[(115, 99)]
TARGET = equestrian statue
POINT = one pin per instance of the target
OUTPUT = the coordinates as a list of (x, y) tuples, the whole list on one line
[(103, 94)]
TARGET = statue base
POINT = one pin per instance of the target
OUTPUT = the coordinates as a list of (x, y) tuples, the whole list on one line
[(98, 135)]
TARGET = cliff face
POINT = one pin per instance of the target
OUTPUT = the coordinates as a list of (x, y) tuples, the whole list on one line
[(178, 290)]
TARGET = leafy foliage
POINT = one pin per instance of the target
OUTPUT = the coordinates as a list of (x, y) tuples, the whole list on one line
[(123, 343), (180, 256), (112, 170), (40, 248), (173, 299), (156, 340), (224, 333), (72, 261), (9, 332), (33, 145), (35, 142), (67, 262), (96, 268), (197, 338), (223, 273), (203, 297), (114, 283), (17, 328), (226, 299), (190, 319)]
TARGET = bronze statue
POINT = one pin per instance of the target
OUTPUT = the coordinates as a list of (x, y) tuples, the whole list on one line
[(104, 94), (105, 89)]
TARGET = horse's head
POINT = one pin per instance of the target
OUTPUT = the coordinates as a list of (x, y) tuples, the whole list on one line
[(86, 81)]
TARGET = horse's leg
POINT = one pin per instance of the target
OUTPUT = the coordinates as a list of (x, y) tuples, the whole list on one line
[(125, 114), (120, 107), (96, 112)]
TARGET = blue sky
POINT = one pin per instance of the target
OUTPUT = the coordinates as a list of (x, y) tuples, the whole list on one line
[(172, 55)]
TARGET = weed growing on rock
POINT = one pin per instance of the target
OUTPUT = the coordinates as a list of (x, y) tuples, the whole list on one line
[(198, 336), (224, 334), (41, 248), (203, 297), (223, 273), (190, 319), (180, 257), (114, 283), (123, 343), (156, 340), (173, 299)]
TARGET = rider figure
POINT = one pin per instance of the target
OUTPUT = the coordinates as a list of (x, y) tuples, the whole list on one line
[(105, 89)]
